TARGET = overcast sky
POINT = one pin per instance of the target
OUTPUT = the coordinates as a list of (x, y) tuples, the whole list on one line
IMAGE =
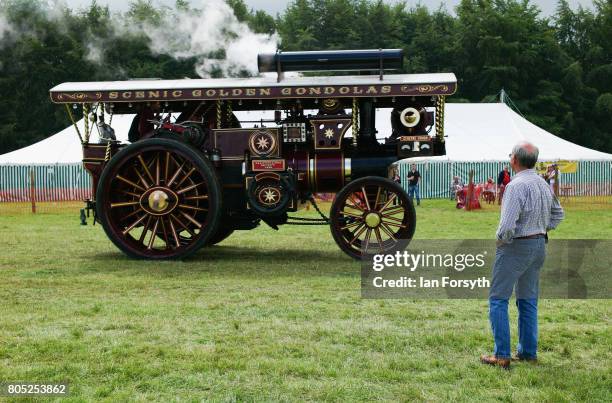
[(275, 6)]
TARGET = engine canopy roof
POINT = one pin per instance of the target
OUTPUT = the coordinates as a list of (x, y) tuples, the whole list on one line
[(266, 87)]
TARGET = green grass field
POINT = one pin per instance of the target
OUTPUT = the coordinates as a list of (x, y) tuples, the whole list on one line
[(273, 316)]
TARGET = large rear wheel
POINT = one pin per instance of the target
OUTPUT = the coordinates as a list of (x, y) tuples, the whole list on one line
[(372, 215), (221, 235), (159, 199)]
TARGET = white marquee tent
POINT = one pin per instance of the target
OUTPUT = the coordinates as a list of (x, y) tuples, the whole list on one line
[(481, 134), (475, 132)]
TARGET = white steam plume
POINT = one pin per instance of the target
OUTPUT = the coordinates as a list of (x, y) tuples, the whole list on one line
[(209, 29), (5, 27)]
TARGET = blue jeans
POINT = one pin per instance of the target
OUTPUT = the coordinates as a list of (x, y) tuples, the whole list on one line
[(517, 266), (414, 190)]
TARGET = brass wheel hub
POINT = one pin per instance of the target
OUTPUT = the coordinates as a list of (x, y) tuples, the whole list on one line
[(372, 220), (158, 201)]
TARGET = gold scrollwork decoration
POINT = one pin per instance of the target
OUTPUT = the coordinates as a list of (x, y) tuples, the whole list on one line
[(79, 96), (425, 88)]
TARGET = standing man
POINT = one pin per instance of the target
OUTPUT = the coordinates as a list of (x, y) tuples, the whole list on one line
[(502, 181), (413, 184), (528, 212)]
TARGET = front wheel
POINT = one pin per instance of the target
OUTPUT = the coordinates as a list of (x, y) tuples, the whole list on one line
[(159, 199), (372, 215)]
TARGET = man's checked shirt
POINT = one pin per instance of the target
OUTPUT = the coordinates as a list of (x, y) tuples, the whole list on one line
[(529, 207)]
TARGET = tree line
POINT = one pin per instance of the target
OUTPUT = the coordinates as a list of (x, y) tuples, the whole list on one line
[(557, 70)]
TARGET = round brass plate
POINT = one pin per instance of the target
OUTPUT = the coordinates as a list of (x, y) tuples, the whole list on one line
[(372, 220), (158, 201)]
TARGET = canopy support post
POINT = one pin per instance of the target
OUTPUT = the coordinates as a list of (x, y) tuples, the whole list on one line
[(355, 125), (219, 114), (440, 104), (74, 123)]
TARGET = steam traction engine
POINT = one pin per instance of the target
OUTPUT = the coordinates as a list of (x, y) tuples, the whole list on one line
[(194, 172)]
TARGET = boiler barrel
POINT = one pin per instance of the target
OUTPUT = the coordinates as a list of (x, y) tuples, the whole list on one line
[(340, 60)]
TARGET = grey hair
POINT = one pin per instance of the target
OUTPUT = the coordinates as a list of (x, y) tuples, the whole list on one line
[(526, 154)]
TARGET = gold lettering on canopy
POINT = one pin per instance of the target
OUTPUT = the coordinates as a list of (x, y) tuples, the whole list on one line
[(327, 91)]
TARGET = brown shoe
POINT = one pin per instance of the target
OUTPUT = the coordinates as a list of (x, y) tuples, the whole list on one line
[(517, 357), (493, 360)]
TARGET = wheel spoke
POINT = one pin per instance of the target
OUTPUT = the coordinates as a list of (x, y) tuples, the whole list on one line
[(355, 224), (355, 203), (367, 239), (188, 188), (146, 168), (157, 170), (377, 196), (192, 207), (391, 218), (190, 218), (358, 233), (378, 237), (174, 235), (167, 168), (187, 175), (165, 232), (129, 182), (394, 210), (185, 227), (351, 206), (383, 208), (359, 217), (387, 231), (131, 194), (131, 227), (176, 174), (124, 204), (153, 234), (365, 197), (390, 223), (202, 197), (144, 182), (144, 230), (133, 213)]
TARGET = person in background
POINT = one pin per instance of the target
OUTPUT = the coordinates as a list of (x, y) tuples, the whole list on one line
[(528, 212), (396, 177), (455, 186), (489, 191), (414, 178), (502, 181), (550, 175)]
